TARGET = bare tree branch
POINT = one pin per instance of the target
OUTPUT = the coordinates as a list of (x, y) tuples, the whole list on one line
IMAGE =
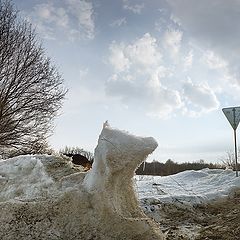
[(31, 89)]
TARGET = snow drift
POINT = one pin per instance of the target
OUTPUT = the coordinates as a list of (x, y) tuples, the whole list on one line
[(43, 197), (187, 188)]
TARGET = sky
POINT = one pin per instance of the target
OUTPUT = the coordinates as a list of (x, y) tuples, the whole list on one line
[(160, 68)]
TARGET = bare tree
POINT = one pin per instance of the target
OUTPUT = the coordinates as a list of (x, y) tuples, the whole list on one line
[(31, 89), (228, 160)]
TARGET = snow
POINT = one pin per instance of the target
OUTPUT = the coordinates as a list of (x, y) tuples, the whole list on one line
[(47, 193), (32, 177), (117, 151), (23, 177), (26, 177), (188, 187)]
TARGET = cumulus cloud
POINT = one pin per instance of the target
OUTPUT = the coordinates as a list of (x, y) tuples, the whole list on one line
[(201, 96), (214, 25), (144, 51), (118, 58), (155, 99), (144, 76), (74, 19), (164, 100), (172, 40), (213, 61), (138, 77)]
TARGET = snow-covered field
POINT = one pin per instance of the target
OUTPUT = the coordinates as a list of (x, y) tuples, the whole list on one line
[(45, 196), (169, 200), (172, 201), (188, 187)]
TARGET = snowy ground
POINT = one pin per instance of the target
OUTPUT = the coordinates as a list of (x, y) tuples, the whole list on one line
[(172, 201), (189, 187), (182, 205)]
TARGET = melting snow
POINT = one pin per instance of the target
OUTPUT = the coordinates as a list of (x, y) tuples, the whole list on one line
[(189, 187), (26, 177), (23, 177)]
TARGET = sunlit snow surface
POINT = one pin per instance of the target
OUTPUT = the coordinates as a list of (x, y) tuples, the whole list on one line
[(188, 187), (25, 177)]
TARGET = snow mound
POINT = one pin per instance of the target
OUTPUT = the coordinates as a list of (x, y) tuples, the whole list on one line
[(32, 176), (23, 177), (43, 197), (189, 187)]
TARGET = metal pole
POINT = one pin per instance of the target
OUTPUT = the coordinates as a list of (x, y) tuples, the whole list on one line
[(235, 140), (235, 144)]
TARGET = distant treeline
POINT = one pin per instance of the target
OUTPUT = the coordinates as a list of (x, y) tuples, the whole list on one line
[(171, 167)]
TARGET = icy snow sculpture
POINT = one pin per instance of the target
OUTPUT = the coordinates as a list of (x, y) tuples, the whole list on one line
[(64, 204)]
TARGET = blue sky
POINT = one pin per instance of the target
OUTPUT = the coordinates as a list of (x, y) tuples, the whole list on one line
[(161, 68)]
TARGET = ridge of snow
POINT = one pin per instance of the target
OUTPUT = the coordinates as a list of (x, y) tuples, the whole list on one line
[(191, 187)]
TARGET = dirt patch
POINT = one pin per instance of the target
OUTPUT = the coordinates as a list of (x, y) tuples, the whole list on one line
[(218, 220), (222, 219)]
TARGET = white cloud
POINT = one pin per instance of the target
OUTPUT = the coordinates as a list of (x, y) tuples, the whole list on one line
[(119, 22), (157, 75), (155, 100), (46, 15), (160, 24), (142, 77), (157, 82), (213, 61), (138, 75), (164, 101), (73, 19), (117, 57), (172, 40), (57, 16), (136, 8), (144, 51), (188, 60), (201, 96), (83, 11), (213, 25)]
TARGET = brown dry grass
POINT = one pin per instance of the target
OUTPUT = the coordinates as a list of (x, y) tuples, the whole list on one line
[(218, 220)]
